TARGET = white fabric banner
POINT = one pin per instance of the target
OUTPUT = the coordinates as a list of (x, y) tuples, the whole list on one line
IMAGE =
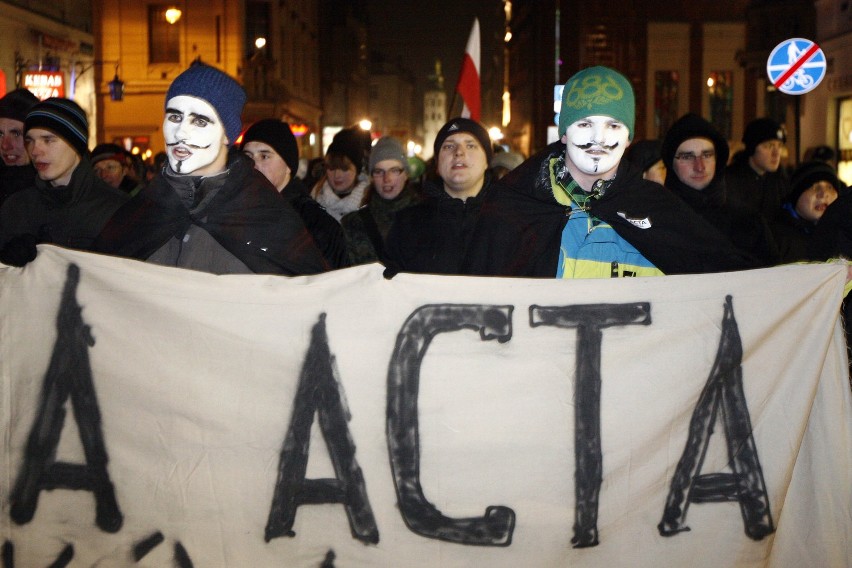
[(160, 417)]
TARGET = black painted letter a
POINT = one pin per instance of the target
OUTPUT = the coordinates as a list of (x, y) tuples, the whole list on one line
[(68, 376)]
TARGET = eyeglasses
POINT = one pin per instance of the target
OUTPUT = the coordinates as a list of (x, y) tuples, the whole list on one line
[(107, 167), (392, 173), (690, 157)]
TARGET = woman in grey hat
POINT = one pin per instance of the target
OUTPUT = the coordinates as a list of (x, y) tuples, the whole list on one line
[(367, 228)]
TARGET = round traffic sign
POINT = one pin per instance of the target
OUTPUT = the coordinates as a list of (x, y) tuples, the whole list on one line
[(796, 66)]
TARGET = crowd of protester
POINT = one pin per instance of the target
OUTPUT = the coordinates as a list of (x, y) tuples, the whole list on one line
[(596, 203)]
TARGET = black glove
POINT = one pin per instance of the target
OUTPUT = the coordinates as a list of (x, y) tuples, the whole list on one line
[(19, 250)]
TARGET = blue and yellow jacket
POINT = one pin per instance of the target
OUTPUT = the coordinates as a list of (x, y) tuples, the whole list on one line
[(520, 229)]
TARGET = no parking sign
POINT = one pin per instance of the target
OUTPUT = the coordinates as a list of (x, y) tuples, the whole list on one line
[(796, 66)]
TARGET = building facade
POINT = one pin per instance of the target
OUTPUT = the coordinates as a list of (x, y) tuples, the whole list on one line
[(282, 78), (48, 47), (137, 42), (392, 108), (826, 112), (434, 110), (272, 48), (707, 58), (344, 65)]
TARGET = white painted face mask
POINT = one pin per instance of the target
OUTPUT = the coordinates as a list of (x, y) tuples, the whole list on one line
[(195, 136), (596, 144)]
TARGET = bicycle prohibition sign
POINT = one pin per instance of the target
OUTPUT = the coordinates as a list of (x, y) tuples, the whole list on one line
[(796, 66)]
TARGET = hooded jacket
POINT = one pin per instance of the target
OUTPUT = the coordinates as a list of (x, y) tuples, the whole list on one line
[(520, 226), (746, 229), (832, 236), (233, 217)]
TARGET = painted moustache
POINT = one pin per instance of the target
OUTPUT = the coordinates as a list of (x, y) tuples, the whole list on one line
[(187, 145), (592, 145)]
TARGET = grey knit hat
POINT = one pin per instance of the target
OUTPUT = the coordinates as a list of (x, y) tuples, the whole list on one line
[(388, 148)]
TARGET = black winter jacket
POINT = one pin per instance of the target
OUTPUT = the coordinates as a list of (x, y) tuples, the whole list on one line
[(325, 230), (432, 236), (244, 214), (69, 216), (746, 229)]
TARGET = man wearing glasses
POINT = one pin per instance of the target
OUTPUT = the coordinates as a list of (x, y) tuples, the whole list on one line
[(577, 210), (695, 154), (110, 162)]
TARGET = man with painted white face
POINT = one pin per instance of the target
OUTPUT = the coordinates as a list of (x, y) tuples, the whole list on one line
[(577, 210), (432, 236), (210, 210)]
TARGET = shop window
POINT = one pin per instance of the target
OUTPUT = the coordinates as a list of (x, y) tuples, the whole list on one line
[(666, 85), (844, 140), (163, 37), (720, 90)]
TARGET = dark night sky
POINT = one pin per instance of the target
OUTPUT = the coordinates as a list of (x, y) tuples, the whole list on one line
[(416, 33)]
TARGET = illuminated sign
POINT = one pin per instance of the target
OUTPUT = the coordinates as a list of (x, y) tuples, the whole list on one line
[(45, 84), (299, 129)]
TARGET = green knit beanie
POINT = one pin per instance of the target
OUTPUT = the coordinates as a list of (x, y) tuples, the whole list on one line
[(597, 91)]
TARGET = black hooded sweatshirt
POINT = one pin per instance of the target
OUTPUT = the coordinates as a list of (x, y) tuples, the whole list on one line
[(745, 229)]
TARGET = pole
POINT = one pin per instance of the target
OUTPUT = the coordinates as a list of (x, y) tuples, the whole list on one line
[(556, 66), (797, 121)]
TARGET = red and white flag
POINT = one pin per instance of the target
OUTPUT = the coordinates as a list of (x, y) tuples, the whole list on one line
[(468, 86)]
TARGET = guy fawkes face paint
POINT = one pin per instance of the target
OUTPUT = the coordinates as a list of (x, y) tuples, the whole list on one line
[(595, 144), (196, 143)]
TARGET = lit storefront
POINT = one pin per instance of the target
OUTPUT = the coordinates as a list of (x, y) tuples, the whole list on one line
[(49, 58)]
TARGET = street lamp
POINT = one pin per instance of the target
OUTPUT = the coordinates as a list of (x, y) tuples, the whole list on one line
[(173, 15), (116, 87)]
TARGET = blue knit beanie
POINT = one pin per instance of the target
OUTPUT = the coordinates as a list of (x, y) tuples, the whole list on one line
[(597, 91), (216, 88), (64, 118)]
